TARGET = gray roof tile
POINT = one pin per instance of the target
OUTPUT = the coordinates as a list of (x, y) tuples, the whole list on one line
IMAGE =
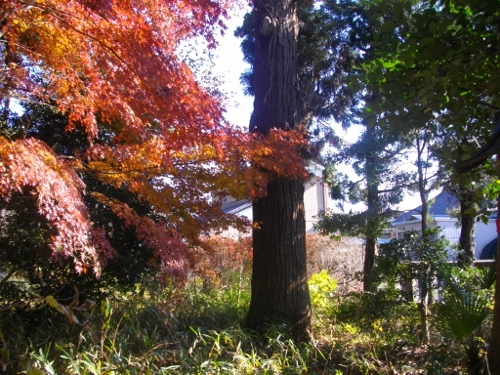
[(442, 204)]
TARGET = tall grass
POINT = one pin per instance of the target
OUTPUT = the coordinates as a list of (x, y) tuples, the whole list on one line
[(197, 330)]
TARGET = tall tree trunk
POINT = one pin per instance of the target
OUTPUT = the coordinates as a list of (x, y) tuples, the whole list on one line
[(373, 208), (494, 344), (279, 279), (465, 194), (422, 191), (369, 263), (466, 255), (424, 269)]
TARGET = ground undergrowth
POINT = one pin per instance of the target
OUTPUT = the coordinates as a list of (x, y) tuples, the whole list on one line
[(198, 330)]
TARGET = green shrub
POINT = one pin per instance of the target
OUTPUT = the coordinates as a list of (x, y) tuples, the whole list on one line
[(196, 330), (467, 303), (321, 289)]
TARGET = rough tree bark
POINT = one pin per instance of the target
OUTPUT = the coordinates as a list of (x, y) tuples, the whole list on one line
[(280, 293), (466, 240), (425, 276), (373, 207)]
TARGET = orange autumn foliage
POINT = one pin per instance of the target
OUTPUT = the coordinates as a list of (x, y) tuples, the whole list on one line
[(219, 257), (115, 58), (110, 66)]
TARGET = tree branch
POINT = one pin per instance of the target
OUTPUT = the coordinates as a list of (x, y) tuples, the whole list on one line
[(8, 276)]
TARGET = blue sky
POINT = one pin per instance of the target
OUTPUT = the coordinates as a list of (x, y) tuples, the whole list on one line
[(229, 64)]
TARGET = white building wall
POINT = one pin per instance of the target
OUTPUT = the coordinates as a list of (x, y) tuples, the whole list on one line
[(233, 232), (449, 229), (314, 201), (408, 226), (451, 232), (484, 234)]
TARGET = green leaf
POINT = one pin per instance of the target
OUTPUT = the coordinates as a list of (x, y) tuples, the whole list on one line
[(423, 101), (464, 310), (478, 194), (376, 16), (34, 371), (367, 112), (433, 27), (65, 310), (388, 26), (470, 212), (398, 10), (427, 41), (384, 8), (407, 58)]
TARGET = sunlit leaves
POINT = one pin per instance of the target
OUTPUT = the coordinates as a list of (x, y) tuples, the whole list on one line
[(29, 167), (167, 243), (110, 68), (112, 58)]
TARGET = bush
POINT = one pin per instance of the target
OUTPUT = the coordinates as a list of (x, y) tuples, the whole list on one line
[(219, 260), (145, 332), (321, 289), (342, 258), (195, 329)]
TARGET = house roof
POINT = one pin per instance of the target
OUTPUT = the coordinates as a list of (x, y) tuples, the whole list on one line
[(441, 206), (236, 207)]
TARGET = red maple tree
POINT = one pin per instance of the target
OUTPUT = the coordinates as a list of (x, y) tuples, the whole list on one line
[(110, 66)]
